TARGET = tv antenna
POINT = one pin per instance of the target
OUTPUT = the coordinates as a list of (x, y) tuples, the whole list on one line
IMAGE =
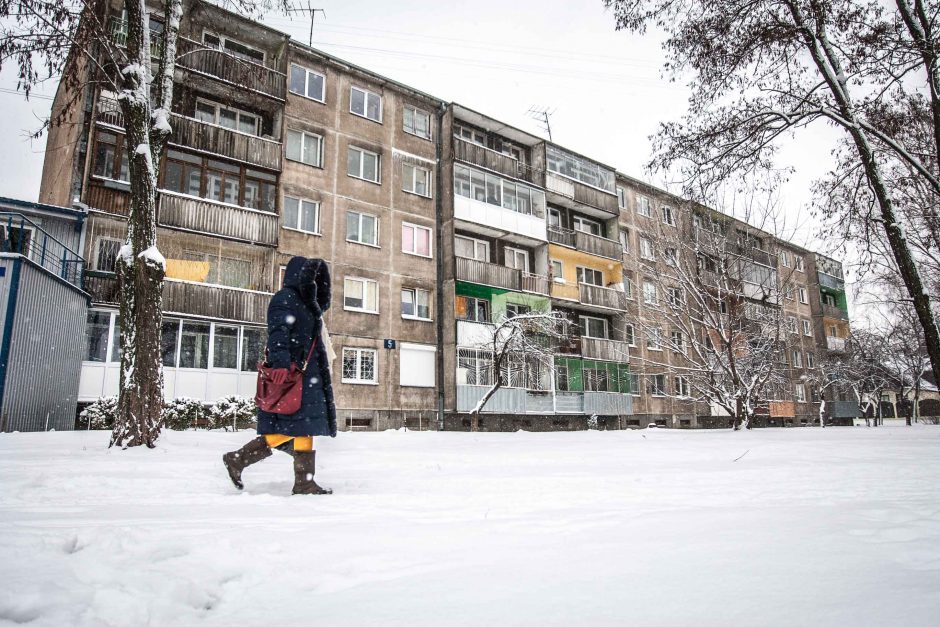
[(309, 10), (542, 115)]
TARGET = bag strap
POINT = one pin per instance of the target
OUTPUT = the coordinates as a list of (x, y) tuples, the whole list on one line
[(313, 345)]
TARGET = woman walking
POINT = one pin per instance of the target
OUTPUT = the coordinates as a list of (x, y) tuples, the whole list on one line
[(295, 321)]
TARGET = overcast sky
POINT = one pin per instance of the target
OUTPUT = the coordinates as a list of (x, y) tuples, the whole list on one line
[(500, 58)]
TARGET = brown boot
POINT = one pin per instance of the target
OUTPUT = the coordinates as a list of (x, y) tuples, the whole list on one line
[(236, 461), (304, 468)]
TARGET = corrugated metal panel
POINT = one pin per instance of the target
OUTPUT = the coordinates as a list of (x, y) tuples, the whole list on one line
[(539, 403), (505, 400), (608, 403), (569, 402), (45, 356)]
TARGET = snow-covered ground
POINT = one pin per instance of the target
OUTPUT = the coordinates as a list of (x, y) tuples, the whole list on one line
[(808, 527)]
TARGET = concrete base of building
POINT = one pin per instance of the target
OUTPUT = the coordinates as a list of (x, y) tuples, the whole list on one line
[(381, 419), (564, 422)]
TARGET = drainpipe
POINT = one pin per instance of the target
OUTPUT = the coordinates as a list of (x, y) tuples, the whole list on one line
[(439, 261)]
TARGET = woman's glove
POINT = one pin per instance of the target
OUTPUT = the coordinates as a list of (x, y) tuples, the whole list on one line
[(279, 375)]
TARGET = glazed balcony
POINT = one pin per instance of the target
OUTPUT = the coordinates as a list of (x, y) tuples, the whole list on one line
[(204, 137), (835, 344), (215, 218), (831, 282), (226, 67), (475, 154), (495, 275), (605, 350), (586, 242)]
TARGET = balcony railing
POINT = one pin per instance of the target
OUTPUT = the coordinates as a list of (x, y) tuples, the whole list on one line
[(229, 68), (189, 298), (108, 196), (519, 401), (830, 311), (211, 138), (581, 193), (207, 216), (835, 344), (606, 350), (119, 37), (22, 236), (831, 282), (490, 159), (586, 242), (601, 296), (484, 273)]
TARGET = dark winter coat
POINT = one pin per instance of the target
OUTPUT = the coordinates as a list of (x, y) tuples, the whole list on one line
[(295, 318)]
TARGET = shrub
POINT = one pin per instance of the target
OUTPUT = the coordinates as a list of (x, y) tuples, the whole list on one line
[(101, 414), (183, 413), (233, 410)]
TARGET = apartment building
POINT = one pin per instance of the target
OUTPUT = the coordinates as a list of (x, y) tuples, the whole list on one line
[(437, 221)]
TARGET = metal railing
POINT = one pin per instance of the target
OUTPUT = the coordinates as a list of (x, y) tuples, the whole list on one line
[(22, 236), (119, 37)]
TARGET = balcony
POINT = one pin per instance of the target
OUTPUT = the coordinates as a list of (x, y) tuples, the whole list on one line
[(495, 275), (226, 67), (208, 138), (520, 401), (215, 218), (835, 344), (586, 242), (497, 221), (108, 196), (598, 296), (831, 282), (582, 194), (605, 350), (478, 155), (192, 299), (21, 236), (831, 311)]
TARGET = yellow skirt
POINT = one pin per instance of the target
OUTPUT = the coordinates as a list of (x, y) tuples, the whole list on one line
[(302, 443)]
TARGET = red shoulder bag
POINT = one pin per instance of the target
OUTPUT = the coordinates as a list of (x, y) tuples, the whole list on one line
[(282, 398)]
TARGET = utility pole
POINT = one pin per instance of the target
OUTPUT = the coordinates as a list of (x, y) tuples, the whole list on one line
[(309, 10)]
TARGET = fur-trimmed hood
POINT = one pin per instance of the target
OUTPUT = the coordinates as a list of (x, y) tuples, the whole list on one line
[(311, 279)]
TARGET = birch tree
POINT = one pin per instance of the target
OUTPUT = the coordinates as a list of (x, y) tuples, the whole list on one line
[(73, 41), (764, 70)]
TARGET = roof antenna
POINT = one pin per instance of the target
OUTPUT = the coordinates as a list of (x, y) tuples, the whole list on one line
[(541, 115), (309, 10)]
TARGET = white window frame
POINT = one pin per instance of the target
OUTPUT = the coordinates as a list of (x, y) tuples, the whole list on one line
[(414, 179), (560, 276), (98, 242), (644, 206), (408, 347), (307, 73), (515, 252), (238, 113), (654, 339), (646, 246), (476, 242), (807, 327), (785, 259), (810, 360), (621, 198), (682, 387), (223, 38), (666, 210), (653, 388), (799, 264), (415, 112), (359, 352), (796, 358), (632, 342), (365, 101), (418, 227), (646, 293), (414, 291), (582, 221), (677, 346), (300, 204), (800, 393), (365, 284), (595, 318), (804, 296), (674, 296), (362, 152), (580, 272), (304, 135), (362, 214), (791, 324)]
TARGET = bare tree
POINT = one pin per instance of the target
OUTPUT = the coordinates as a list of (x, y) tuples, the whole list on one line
[(860, 370), (907, 356), (765, 70), (519, 350), (76, 42)]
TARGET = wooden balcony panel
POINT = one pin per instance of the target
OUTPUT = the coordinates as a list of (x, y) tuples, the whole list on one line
[(219, 140), (534, 283), (214, 301), (583, 194), (206, 216), (484, 273), (601, 296), (562, 236), (108, 197), (482, 156), (197, 57), (597, 245), (607, 350)]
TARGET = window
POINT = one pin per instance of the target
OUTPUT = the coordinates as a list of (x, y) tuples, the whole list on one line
[(307, 83), (625, 240), (785, 259), (515, 309), (301, 215), (194, 345), (593, 327), (470, 248), (472, 309), (799, 264), (234, 48), (810, 360), (228, 117), (562, 382), (796, 359), (621, 198), (590, 276), (554, 217), (649, 293), (215, 269), (474, 367), (800, 393), (365, 103), (646, 249), (596, 379), (417, 365), (656, 384), (470, 134), (415, 240), (668, 217), (829, 300), (98, 331), (362, 164), (224, 346), (804, 298), (362, 228), (674, 296), (416, 180), (833, 331), (791, 324), (654, 340), (417, 122), (106, 253), (682, 387), (169, 342), (253, 343), (671, 255), (677, 340), (220, 181), (361, 295), (580, 169), (516, 258), (629, 335), (111, 158), (493, 190), (558, 269), (634, 384), (415, 303), (628, 288), (586, 226), (643, 206), (807, 328), (359, 365), (305, 147)]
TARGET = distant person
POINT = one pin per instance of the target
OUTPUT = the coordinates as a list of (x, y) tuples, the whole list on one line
[(295, 321)]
